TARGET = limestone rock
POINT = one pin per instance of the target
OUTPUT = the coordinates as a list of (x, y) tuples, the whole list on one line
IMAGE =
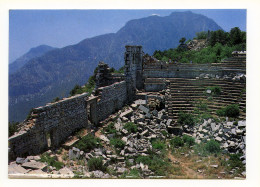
[(16, 169), (34, 165), (21, 160)]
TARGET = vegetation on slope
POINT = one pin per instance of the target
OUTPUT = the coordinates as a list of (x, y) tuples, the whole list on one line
[(220, 46)]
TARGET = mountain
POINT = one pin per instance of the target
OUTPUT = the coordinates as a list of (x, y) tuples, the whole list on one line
[(56, 72), (34, 52)]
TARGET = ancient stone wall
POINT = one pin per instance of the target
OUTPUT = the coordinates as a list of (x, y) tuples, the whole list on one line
[(191, 70), (53, 123), (133, 70), (111, 99)]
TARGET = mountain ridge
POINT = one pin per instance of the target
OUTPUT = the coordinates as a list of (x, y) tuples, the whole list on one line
[(32, 53)]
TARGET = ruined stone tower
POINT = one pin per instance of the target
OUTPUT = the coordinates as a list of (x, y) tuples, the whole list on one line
[(133, 70)]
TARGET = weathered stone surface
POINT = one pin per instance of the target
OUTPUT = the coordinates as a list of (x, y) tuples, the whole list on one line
[(74, 153), (144, 109), (104, 138), (126, 113), (37, 172), (16, 169), (34, 165), (140, 102), (66, 173), (124, 139), (21, 160)]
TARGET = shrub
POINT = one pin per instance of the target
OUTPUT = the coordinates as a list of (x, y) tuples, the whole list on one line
[(130, 127), (221, 112), (13, 127), (164, 133), (158, 144), (134, 173), (117, 143), (51, 161), (96, 164), (202, 106), (186, 119), (232, 110), (188, 140), (160, 166), (215, 90), (110, 129), (177, 142), (229, 111), (235, 161), (212, 146), (87, 143)]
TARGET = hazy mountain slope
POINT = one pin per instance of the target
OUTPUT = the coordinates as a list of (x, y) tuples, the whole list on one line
[(56, 72), (32, 53)]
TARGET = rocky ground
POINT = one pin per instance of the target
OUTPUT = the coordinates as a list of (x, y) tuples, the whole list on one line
[(143, 149)]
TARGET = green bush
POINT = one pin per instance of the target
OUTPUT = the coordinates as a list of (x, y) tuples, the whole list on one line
[(188, 140), (235, 161), (130, 127), (232, 111), (186, 119), (229, 111), (215, 90), (87, 143), (51, 161), (110, 129), (158, 144), (96, 164), (176, 142), (117, 143), (13, 127), (159, 165), (221, 112), (212, 146), (164, 133), (134, 173)]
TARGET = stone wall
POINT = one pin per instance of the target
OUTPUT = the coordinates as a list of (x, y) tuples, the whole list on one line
[(54, 123), (111, 99), (163, 70), (133, 70)]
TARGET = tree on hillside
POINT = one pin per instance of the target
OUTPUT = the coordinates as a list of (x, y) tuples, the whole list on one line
[(235, 36), (201, 35), (182, 40)]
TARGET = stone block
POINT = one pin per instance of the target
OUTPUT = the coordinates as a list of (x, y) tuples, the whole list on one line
[(34, 165), (144, 109)]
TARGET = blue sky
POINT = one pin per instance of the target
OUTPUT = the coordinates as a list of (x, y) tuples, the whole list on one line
[(59, 28)]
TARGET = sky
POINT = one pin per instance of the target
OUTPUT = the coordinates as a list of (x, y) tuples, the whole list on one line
[(60, 28)]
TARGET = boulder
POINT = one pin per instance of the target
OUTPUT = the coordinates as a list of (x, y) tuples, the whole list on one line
[(145, 133), (124, 139), (34, 165), (16, 169), (98, 174), (126, 113), (74, 153), (104, 138), (21, 160), (144, 109), (218, 139)]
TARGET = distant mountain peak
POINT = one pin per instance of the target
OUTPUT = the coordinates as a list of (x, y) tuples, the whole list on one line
[(32, 53)]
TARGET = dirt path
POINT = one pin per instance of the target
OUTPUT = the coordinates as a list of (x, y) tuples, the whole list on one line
[(188, 173)]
